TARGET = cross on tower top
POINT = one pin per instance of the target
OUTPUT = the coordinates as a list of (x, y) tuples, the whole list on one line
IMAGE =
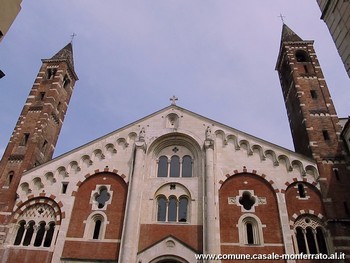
[(173, 100), (282, 18), (72, 37)]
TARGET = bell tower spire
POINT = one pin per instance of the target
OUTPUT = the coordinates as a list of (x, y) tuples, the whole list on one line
[(35, 135)]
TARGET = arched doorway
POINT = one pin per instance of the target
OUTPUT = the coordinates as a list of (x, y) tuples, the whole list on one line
[(169, 259)]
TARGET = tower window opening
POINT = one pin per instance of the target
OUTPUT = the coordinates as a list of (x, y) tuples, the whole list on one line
[(9, 178), (25, 139), (64, 187), (43, 148), (325, 135), (313, 94), (66, 81), (301, 191), (336, 173), (51, 73), (41, 96), (301, 56)]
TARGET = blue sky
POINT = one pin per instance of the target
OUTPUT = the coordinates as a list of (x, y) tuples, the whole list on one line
[(218, 57)]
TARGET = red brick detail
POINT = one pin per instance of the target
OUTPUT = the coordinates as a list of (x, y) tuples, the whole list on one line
[(229, 215), (115, 171), (79, 183), (42, 194), (295, 179), (96, 251), (63, 215), (254, 171), (87, 175), (19, 203), (52, 197), (227, 175), (74, 193), (97, 171), (277, 190), (283, 191), (30, 196), (106, 169), (82, 210), (60, 204), (221, 182), (14, 255), (235, 171), (191, 235), (263, 175), (245, 170), (123, 176), (304, 179), (287, 183), (271, 182)]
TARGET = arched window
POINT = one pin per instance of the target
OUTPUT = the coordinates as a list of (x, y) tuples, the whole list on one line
[(161, 209), (250, 230), (97, 229), (49, 234), (40, 234), (321, 241), (187, 166), (301, 240), (95, 226), (29, 233), (310, 236), (175, 166), (172, 209), (163, 166), (175, 161), (183, 204), (20, 233), (250, 233)]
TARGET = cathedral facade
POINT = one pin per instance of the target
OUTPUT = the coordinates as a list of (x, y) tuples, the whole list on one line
[(175, 185)]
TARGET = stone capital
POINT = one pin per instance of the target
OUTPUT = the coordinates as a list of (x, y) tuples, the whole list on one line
[(140, 145), (208, 144)]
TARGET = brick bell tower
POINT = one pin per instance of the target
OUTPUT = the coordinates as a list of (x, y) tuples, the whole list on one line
[(35, 136), (315, 129)]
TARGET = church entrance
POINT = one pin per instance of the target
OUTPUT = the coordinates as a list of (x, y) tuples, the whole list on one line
[(169, 259)]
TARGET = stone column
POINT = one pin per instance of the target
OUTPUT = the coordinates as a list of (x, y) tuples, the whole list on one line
[(211, 229), (286, 232), (130, 238)]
